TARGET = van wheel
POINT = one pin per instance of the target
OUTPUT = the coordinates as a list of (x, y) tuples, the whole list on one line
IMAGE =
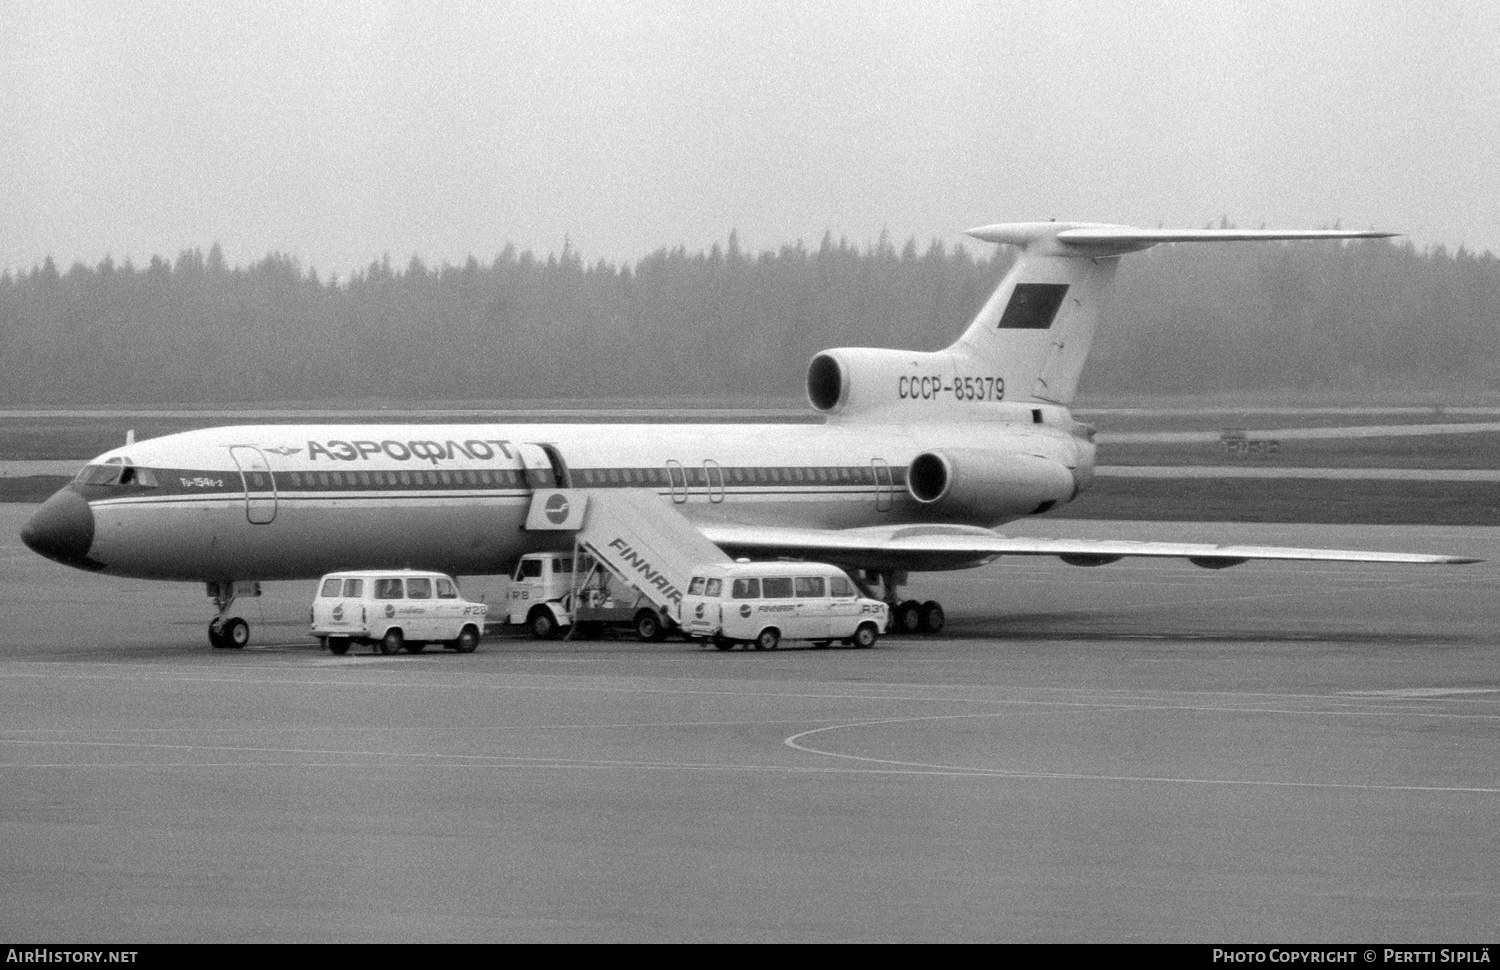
[(413, 646), (769, 639), (648, 626), (542, 624), (864, 638), (932, 617), (468, 640), (723, 642), (391, 642), (338, 645)]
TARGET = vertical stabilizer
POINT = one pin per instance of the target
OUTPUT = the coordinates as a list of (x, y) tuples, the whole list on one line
[(1038, 325)]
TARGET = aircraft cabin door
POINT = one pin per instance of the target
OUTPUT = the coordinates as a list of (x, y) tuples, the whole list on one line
[(883, 488), (260, 484), (542, 466)]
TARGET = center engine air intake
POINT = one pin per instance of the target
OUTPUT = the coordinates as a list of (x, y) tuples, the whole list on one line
[(985, 484), (826, 385)]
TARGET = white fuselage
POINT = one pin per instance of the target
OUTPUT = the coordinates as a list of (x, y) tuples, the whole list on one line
[(297, 501)]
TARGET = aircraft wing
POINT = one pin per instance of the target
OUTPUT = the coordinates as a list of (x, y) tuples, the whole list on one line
[(923, 548)]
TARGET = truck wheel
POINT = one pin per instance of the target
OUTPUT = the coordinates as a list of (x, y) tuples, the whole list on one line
[(391, 642), (338, 645), (543, 626), (865, 637), (769, 639), (468, 640), (648, 626)]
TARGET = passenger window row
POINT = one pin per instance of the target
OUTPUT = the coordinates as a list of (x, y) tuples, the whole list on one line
[(502, 478), (774, 587), (391, 588)]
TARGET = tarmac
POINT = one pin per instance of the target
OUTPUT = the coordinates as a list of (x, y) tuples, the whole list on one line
[(1145, 751)]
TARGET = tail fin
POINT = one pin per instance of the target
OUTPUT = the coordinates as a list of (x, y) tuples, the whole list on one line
[(1039, 323)]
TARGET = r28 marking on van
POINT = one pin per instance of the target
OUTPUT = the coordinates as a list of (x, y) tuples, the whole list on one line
[(962, 388)]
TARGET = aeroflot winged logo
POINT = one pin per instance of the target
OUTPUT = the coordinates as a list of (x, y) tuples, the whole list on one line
[(557, 508), (649, 573)]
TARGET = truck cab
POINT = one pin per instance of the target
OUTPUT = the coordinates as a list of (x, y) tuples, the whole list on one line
[(552, 592)]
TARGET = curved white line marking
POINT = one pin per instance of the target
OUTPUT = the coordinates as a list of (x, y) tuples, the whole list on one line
[(794, 742)]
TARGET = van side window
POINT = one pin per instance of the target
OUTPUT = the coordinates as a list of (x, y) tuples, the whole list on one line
[(695, 588), (529, 569), (354, 588), (809, 587), (714, 587), (419, 589), (840, 586), (388, 589), (746, 589), (779, 588), (331, 587), (446, 590)]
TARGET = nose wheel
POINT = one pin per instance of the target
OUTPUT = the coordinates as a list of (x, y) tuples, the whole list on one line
[(226, 632)]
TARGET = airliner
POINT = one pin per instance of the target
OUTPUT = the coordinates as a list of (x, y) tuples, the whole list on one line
[(919, 457)]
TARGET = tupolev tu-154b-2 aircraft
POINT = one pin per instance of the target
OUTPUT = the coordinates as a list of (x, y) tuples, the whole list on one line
[(919, 457)]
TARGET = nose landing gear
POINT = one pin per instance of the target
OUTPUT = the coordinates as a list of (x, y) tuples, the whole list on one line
[(229, 631)]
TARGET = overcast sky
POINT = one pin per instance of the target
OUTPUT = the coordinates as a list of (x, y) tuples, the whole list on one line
[(338, 132)]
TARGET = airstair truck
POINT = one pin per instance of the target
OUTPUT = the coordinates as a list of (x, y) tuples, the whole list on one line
[(630, 564)]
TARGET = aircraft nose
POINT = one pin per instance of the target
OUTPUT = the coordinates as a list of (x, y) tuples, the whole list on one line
[(62, 529)]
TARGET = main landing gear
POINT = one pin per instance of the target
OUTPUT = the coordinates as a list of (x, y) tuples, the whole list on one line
[(906, 616), (229, 631)]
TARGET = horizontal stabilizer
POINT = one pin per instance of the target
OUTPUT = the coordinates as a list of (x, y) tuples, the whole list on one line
[(1100, 239)]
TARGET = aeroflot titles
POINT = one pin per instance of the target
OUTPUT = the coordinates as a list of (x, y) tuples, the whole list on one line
[(647, 571), (433, 451)]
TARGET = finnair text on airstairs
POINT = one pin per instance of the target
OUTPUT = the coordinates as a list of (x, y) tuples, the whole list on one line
[(648, 573)]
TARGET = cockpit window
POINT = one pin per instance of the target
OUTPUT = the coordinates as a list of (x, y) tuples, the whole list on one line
[(111, 473), (100, 475)]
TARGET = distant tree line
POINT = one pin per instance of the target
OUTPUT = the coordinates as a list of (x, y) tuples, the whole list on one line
[(1184, 319)]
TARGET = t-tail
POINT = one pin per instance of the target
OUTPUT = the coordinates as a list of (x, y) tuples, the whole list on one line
[(1027, 345)]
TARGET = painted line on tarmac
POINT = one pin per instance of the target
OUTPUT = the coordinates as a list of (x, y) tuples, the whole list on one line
[(795, 743)]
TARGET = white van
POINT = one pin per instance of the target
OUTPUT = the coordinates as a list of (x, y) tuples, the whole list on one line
[(763, 603), (395, 609)]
